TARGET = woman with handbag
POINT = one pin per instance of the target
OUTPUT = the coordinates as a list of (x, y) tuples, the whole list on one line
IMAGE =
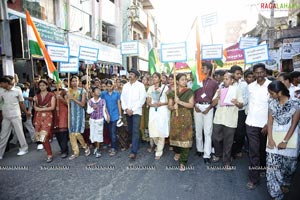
[(283, 144), (44, 104)]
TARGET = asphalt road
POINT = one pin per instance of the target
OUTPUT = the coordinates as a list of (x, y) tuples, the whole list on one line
[(30, 177)]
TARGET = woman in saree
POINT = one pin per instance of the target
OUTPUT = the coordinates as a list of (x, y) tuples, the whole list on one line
[(159, 115), (44, 104), (181, 133)]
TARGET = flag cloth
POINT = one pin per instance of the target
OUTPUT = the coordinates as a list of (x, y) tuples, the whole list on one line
[(152, 58), (38, 49), (220, 63), (196, 67)]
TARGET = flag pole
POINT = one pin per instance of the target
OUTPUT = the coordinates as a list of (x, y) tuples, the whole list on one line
[(69, 100), (175, 87), (57, 90)]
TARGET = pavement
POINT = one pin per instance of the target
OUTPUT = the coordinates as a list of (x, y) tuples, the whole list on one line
[(118, 178)]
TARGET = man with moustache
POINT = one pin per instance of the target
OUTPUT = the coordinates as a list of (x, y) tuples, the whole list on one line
[(256, 124), (133, 98)]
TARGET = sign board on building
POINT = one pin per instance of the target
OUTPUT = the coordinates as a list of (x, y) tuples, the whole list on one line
[(71, 67), (59, 53), (296, 62), (212, 52), (173, 52), (256, 54), (246, 42), (130, 48), (88, 53), (290, 47)]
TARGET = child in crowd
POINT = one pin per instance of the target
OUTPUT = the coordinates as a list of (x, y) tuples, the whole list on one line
[(97, 109)]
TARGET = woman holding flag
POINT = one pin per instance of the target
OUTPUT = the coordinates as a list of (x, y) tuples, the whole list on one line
[(159, 115), (181, 133)]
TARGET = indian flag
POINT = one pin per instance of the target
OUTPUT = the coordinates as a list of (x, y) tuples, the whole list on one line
[(152, 58), (196, 67), (220, 63), (38, 49)]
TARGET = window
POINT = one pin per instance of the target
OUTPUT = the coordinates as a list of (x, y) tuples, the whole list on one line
[(41, 9), (80, 20)]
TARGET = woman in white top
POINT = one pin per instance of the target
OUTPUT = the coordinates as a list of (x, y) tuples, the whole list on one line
[(159, 114), (282, 146)]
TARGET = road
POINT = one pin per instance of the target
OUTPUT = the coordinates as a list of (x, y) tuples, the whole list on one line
[(118, 178)]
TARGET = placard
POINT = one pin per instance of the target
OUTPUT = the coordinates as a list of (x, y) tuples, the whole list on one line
[(246, 42), (212, 52), (87, 53), (129, 48), (72, 66), (209, 19), (59, 53), (173, 52), (256, 54)]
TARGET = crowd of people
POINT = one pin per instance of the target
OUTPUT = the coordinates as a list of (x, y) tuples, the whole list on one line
[(233, 111)]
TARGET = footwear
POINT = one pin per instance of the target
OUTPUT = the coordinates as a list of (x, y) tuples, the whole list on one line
[(72, 157), (157, 157), (206, 161), (98, 154), (87, 151), (123, 149), (150, 149), (238, 155), (182, 167), (112, 153), (21, 153), (49, 159), (40, 147), (200, 154), (64, 155), (95, 151), (285, 189), (250, 185), (132, 156), (177, 156), (215, 159), (1, 157)]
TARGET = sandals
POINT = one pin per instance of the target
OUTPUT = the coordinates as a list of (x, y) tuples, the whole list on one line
[(182, 167), (176, 157), (250, 186), (215, 159), (157, 157), (72, 157), (87, 151), (49, 159)]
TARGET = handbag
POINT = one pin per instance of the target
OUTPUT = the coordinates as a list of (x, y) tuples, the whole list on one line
[(40, 136)]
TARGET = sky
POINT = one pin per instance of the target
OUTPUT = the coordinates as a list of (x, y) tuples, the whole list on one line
[(175, 17)]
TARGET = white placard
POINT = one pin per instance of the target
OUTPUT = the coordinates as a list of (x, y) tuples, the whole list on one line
[(87, 53), (212, 52), (59, 53), (256, 54), (173, 52), (72, 66), (208, 20), (123, 72), (246, 42), (129, 48)]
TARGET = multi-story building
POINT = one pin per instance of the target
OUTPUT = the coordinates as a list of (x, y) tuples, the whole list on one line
[(100, 24)]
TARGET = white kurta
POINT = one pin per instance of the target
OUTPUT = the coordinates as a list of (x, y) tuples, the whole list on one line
[(159, 119)]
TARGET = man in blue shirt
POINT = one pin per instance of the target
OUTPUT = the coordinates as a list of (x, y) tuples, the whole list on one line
[(113, 104)]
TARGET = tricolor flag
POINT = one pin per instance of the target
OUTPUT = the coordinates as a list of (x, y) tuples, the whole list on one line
[(37, 47), (152, 59), (196, 68), (220, 63)]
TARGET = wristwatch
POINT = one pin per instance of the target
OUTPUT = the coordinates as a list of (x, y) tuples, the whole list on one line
[(284, 141)]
